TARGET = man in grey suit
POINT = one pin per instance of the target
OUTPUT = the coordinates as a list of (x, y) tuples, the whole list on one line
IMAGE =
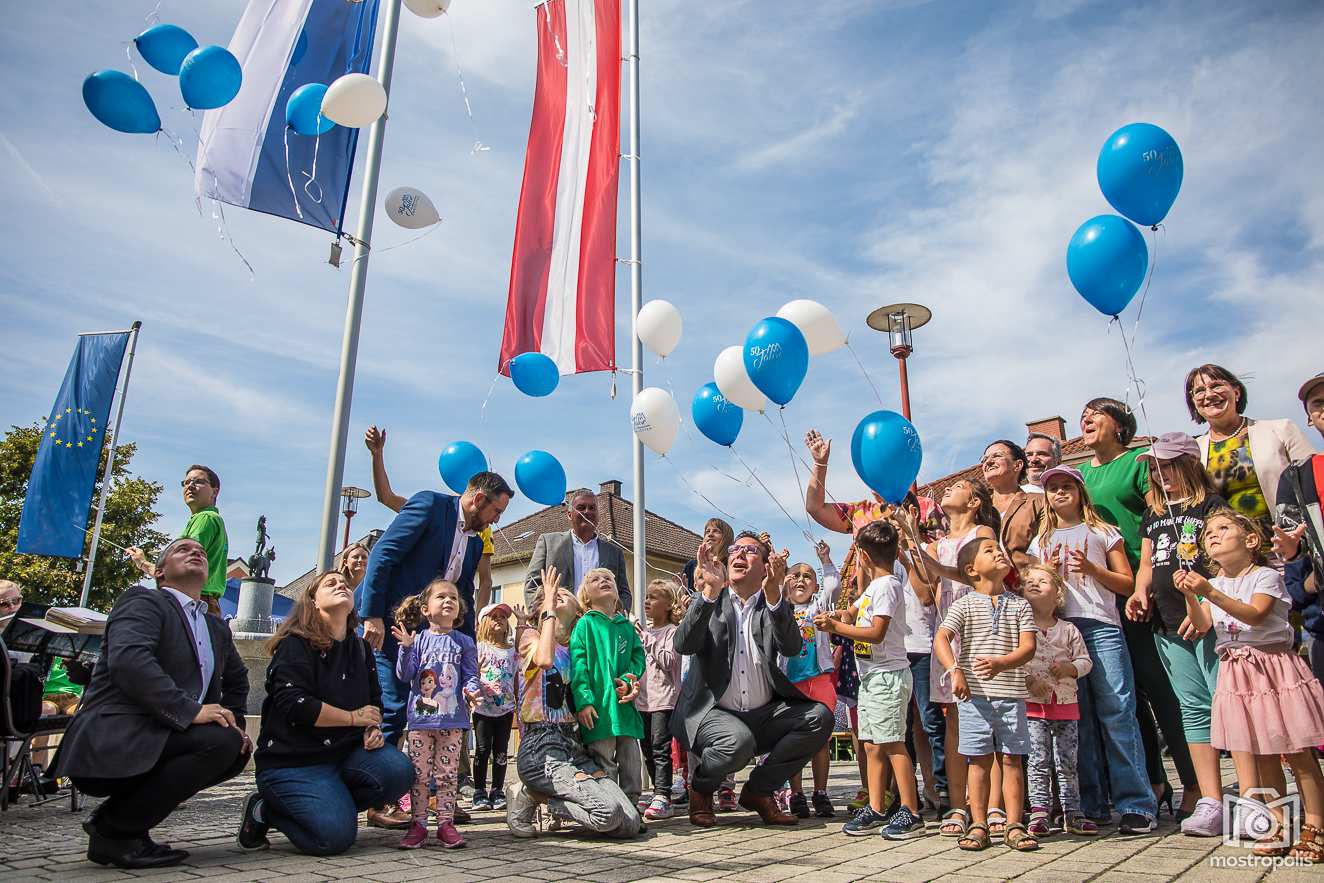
[(736, 702), (164, 715), (577, 551)]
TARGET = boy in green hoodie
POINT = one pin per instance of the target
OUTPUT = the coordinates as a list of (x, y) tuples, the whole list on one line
[(606, 663)]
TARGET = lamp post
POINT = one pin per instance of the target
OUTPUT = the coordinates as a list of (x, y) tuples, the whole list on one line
[(350, 496), (897, 321)]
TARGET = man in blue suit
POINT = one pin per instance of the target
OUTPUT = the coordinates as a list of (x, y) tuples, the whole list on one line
[(435, 535)]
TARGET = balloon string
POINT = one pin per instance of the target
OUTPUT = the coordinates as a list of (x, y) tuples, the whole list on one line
[(754, 475), (1153, 265), (289, 178), (692, 489), (482, 411), (864, 371), (312, 179), (177, 143), (479, 146), (790, 449), (1134, 380), (796, 454), (428, 232), (223, 228), (155, 15), (129, 54)]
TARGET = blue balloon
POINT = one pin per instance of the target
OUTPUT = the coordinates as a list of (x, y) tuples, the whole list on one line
[(887, 454), (303, 110), (458, 463), (121, 102), (716, 418), (210, 77), (1140, 172), (776, 358), (541, 478), (1106, 261), (534, 374), (164, 47), (300, 48)]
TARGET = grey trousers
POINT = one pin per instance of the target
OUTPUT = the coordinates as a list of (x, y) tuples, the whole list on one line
[(551, 759), (788, 732), (622, 761), (1053, 749)]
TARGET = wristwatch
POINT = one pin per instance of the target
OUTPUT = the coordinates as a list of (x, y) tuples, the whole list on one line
[(546, 615)]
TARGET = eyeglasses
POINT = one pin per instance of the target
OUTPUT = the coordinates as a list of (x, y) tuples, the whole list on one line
[(743, 550), (1199, 392), (195, 482)]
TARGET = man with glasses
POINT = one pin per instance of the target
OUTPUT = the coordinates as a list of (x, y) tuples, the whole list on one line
[(201, 487), (736, 701), (435, 535)]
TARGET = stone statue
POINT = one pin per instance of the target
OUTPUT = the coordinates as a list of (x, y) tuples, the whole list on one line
[(259, 563)]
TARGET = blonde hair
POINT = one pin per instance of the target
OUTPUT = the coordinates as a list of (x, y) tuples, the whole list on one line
[(561, 633), (1192, 474), (486, 631), (581, 594), (409, 614), (673, 590), (1055, 578), (1248, 526), (1048, 521)]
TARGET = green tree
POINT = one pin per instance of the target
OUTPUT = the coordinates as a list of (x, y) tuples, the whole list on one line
[(128, 522)]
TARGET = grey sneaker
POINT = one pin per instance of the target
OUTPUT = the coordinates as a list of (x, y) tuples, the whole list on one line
[(1206, 820), (904, 825), (521, 811), (866, 821)]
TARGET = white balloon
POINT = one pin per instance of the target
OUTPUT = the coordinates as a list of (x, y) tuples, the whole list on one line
[(816, 323), (411, 208), (660, 326), (427, 8), (733, 380), (655, 418), (354, 101)]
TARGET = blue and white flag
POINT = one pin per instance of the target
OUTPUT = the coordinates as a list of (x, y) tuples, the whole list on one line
[(60, 488), (248, 155)]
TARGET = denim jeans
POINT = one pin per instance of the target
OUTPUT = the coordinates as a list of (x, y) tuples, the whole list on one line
[(931, 718), (553, 762), (317, 806), (1112, 756), (395, 692)]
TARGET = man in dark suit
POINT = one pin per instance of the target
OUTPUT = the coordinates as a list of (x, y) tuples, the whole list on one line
[(576, 551), (164, 715), (435, 535), (736, 702)]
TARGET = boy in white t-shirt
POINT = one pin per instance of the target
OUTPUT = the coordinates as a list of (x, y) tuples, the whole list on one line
[(877, 624)]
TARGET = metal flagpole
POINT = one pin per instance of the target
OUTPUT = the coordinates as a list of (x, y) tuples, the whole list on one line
[(349, 351), (638, 578), (107, 479)]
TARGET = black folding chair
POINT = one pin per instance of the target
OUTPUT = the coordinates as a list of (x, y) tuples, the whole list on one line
[(19, 770)]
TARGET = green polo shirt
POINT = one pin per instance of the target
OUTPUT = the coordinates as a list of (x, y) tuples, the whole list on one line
[(207, 527)]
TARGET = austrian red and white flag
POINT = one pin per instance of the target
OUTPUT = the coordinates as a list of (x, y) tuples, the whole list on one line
[(563, 271)]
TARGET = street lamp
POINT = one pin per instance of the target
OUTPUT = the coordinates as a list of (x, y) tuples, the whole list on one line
[(350, 496), (897, 321)]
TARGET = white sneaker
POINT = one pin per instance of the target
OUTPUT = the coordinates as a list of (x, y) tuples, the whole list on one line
[(521, 811), (1206, 820), (659, 808)]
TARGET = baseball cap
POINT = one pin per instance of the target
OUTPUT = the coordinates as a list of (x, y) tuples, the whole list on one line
[(1304, 392), (1069, 471), (499, 610), (1170, 446)]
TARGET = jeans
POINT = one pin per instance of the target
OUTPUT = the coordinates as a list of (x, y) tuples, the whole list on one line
[(657, 750), (395, 692), (553, 762), (1111, 757), (930, 717), (491, 739), (317, 806), (197, 758)]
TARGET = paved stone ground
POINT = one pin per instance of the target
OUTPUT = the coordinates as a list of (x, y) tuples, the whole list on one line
[(46, 843)]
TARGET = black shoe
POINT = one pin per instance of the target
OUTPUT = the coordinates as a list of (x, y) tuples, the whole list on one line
[(1135, 823), (800, 806), (1164, 797), (823, 805), (132, 854), (252, 834)]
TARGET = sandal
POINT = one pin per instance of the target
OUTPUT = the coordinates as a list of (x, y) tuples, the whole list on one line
[(1019, 839), (1310, 848), (997, 822), (1270, 847), (975, 838), (950, 827)]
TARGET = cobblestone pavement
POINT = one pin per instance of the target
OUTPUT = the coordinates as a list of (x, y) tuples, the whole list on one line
[(46, 843)]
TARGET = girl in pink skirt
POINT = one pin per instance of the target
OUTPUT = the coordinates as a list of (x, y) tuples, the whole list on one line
[(1267, 702)]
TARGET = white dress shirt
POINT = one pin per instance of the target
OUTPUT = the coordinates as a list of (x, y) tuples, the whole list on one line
[(586, 557), (751, 686), (195, 613), (459, 545)]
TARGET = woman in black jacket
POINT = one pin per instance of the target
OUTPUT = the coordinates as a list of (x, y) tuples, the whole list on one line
[(321, 759)]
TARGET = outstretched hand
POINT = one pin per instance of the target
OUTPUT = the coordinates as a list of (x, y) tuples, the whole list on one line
[(819, 448), (775, 575), (375, 440), (708, 576)]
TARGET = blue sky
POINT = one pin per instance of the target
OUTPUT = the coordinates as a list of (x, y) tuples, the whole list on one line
[(855, 152)]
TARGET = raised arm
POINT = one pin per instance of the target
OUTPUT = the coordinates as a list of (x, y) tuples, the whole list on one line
[(816, 503), (375, 440)]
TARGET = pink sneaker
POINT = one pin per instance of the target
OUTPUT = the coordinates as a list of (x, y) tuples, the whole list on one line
[(448, 837), (417, 836)]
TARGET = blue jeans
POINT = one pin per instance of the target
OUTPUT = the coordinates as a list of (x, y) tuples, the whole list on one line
[(1112, 757), (930, 717), (395, 692), (317, 807)]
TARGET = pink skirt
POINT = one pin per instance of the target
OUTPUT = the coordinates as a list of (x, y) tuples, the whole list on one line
[(819, 688), (1266, 703)]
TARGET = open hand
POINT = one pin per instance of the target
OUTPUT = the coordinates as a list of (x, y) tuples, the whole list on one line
[(521, 615), (1078, 560), (587, 717), (627, 689), (775, 575), (375, 439), (551, 585), (819, 448), (708, 574), (406, 638)]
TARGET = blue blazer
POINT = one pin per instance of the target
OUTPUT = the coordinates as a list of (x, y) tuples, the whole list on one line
[(414, 551)]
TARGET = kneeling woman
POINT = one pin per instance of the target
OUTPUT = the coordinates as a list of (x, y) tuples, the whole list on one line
[(554, 767), (321, 759)]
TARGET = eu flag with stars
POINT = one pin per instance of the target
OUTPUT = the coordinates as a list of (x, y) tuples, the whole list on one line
[(60, 489)]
